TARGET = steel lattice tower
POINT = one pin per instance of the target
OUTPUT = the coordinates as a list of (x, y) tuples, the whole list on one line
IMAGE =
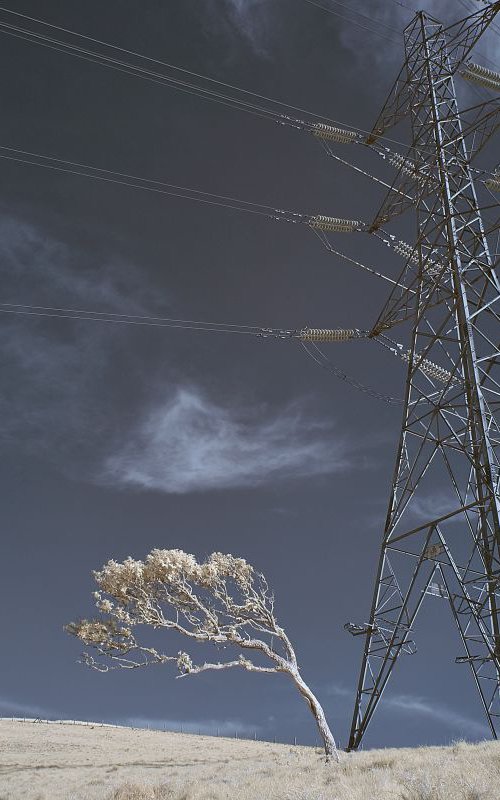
[(450, 436)]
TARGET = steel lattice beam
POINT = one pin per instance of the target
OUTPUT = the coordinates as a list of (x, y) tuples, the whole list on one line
[(450, 436)]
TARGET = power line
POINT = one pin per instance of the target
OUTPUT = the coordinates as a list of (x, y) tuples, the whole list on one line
[(360, 14), (350, 20), (403, 5), (200, 92), (133, 70), (137, 55), (58, 45), (25, 310), (491, 26), (139, 318), (314, 222), (330, 10), (468, 8), (326, 244), (328, 150), (322, 361), (53, 312), (184, 193), (159, 187)]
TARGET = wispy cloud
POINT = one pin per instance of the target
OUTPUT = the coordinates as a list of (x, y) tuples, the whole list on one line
[(411, 705), (376, 39), (431, 505), (223, 727), (251, 19), (49, 402), (40, 269), (58, 398), (12, 708), (338, 690), (192, 443)]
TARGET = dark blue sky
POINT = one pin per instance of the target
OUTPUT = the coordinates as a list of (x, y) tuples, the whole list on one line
[(117, 440)]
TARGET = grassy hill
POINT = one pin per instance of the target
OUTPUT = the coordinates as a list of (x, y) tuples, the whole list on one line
[(40, 761)]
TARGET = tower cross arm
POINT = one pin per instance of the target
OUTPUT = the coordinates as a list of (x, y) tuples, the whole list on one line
[(395, 108), (465, 34), (462, 37)]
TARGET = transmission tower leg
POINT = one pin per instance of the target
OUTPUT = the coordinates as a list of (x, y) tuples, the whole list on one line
[(448, 450)]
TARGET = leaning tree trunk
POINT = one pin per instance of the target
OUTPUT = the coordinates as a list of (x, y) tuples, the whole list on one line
[(318, 713)]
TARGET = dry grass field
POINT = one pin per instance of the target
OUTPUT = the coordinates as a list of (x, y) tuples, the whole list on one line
[(71, 762)]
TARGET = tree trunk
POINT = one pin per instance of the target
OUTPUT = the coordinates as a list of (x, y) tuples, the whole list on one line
[(318, 713)]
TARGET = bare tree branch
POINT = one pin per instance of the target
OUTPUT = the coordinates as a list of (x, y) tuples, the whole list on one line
[(240, 662)]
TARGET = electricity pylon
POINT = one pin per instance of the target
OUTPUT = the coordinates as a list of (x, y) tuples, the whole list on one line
[(442, 532)]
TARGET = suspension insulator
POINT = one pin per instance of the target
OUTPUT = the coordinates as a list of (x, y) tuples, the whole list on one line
[(493, 183), (322, 131), (334, 224), (481, 75), (402, 163), (429, 368), (431, 269), (406, 251), (329, 335)]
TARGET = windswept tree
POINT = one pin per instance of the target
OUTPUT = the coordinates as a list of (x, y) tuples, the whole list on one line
[(222, 601)]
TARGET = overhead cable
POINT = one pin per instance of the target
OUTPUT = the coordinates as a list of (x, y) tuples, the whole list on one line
[(351, 21), (304, 334), (320, 224), (314, 352), (57, 312), (93, 55), (320, 130), (133, 181), (360, 14), (136, 71), (328, 150), (405, 6), (308, 337), (314, 221), (493, 26), (328, 246)]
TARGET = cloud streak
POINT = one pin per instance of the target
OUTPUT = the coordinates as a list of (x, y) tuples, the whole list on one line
[(376, 38), (251, 19), (191, 443), (431, 505), (44, 268), (410, 705), (12, 708), (49, 401), (60, 400), (210, 727), (372, 31), (224, 727)]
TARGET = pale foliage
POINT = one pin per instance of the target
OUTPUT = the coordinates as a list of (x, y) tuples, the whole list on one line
[(222, 601)]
